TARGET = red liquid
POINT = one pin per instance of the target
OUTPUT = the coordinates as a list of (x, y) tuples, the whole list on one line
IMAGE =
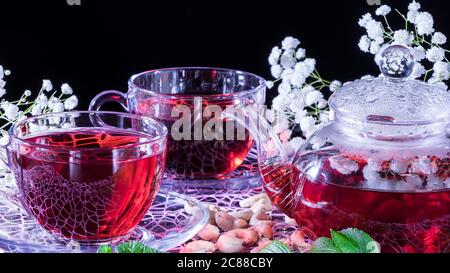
[(88, 195), (401, 221), (199, 158)]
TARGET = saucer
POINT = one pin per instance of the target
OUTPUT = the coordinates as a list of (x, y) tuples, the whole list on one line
[(166, 226)]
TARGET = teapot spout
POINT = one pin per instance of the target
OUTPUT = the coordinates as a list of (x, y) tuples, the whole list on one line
[(277, 173)]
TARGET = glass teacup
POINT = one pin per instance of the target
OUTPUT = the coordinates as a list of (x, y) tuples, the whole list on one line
[(189, 101), (87, 176)]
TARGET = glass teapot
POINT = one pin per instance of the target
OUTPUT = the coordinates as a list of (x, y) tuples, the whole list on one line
[(382, 166)]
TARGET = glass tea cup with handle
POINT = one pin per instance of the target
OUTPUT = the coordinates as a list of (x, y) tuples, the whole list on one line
[(201, 144), (86, 176)]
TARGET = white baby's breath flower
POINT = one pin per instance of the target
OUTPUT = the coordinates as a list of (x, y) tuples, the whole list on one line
[(374, 29), (418, 71), (374, 47), (270, 115), (365, 19), (281, 125), (36, 110), (11, 111), (287, 59), (439, 38), (379, 40), (313, 97), (275, 56), (306, 90), (424, 23), (306, 67), (300, 54), (403, 37), (71, 103), (308, 125), (435, 54), (441, 70), (295, 93), (52, 102), (364, 43), (58, 107), (414, 6), (284, 88), (419, 53), (27, 93), (297, 105), (335, 85), (322, 103), (47, 85), (7, 72), (411, 16), (280, 103), (66, 89), (4, 139), (298, 79), (290, 43), (383, 10), (289, 109), (270, 84), (299, 115), (42, 101), (276, 71), (287, 74)]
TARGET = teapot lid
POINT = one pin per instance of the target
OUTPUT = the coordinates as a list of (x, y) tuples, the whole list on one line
[(393, 97)]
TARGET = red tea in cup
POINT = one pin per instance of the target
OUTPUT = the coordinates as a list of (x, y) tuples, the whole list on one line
[(90, 184)]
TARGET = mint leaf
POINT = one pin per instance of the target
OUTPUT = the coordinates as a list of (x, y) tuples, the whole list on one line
[(344, 243), (349, 240), (324, 245), (276, 247), (105, 249), (134, 247), (364, 242)]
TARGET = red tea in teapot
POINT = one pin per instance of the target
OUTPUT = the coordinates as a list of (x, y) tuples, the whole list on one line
[(87, 185), (404, 205)]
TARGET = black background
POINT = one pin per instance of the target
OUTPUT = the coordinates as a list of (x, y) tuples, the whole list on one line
[(100, 44)]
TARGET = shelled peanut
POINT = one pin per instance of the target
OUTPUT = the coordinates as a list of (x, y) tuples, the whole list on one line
[(233, 232), (251, 227)]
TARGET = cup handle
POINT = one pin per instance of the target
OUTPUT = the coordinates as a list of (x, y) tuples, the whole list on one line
[(8, 191), (109, 96)]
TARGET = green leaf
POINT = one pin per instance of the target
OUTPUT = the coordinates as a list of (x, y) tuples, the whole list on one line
[(344, 243), (105, 249), (135, 247), (364, 242), (324, 245), (275, 247), (349, 240)]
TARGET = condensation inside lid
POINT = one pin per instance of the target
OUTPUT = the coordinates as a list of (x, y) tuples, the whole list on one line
[(393, 98)]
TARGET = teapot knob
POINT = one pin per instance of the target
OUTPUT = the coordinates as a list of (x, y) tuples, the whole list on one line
[(396, 62)]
